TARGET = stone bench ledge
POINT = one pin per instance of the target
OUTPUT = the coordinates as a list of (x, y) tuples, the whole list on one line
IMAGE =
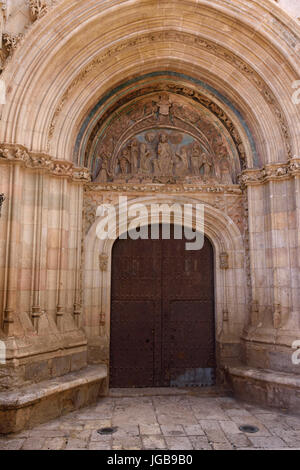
[(265, 375), (29, 395)]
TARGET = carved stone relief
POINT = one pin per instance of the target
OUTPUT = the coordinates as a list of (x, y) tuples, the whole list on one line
[(165, 140)]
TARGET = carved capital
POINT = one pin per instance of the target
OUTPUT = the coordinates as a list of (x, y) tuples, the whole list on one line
[(11, 41), (41, 161), (271, 172)]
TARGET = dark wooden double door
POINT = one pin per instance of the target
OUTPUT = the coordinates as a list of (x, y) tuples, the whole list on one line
[(162, 314)]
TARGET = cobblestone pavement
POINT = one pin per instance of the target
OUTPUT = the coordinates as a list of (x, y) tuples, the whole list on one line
[(163, 422)]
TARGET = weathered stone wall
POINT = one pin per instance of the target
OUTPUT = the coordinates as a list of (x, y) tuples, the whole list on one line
[(40, 294)]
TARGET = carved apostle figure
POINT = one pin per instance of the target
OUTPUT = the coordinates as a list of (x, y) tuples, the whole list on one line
[(225, 171), (182, 167), (164, 163), (196, 159), (145, 159), (134, 156), (104, 172), (206, 165), (124, 161)]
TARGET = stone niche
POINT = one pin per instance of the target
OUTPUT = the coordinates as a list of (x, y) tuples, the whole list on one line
[(164, 139)]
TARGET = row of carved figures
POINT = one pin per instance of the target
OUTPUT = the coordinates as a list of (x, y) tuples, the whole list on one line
[(138, 159)]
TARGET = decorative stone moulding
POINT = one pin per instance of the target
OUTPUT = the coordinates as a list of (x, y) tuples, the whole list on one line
[(164, 188), (272, 172), (43, 162)]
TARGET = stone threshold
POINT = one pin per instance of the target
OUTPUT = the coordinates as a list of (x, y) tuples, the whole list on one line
[(214, 391), (38, 403)]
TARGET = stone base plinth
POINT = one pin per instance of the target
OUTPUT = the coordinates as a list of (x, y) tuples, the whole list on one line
[(265, 387), (36, 404)]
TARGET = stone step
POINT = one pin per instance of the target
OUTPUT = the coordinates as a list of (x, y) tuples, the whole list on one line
[(35, 404), (169, 391), (265, 387)]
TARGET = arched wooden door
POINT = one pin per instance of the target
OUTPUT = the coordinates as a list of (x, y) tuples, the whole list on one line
[(162, 314)]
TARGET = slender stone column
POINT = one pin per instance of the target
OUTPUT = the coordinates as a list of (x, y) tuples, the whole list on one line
[(78, 271), (13, 231), (38, 225), (61, 300)]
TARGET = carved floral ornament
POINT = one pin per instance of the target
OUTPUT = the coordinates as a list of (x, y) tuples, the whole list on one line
[(41, 161), (272, 172), (38, 8)]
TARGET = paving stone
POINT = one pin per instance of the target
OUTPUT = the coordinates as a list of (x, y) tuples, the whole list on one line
[(13, 444), (290, 437), (178, 443), (200, 443), (194, 430), (128, 430), (33, 443), (239, 412), (229, 427), (75, 444), (153, 442), (127, 443), (150, 429), (267, 442), (97, 424), (57, 443), (222, 446), (213, 431), (99, 446), (96, 437), (173, 430), (239, 440)]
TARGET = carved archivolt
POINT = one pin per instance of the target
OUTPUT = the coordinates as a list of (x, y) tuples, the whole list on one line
[(41, 161), (195, 41)]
